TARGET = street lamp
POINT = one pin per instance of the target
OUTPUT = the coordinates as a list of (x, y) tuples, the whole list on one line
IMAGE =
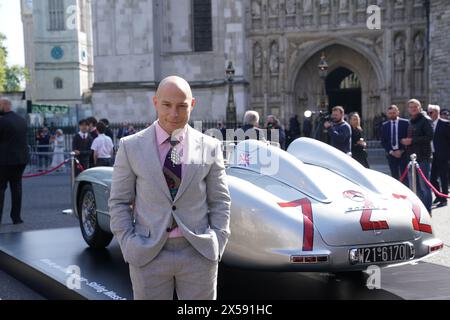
[(231, 106), (323, 73)]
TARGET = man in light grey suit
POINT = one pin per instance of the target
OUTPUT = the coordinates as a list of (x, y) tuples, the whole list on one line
[(170, 203)]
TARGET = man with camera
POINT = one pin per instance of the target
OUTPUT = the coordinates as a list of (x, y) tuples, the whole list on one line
[(339, 132)]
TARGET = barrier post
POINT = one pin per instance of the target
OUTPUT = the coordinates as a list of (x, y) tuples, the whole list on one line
[(414, 173), (72, 169)]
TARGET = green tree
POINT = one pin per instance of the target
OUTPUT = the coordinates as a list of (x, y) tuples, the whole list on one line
[(15, 78), (3, 66)]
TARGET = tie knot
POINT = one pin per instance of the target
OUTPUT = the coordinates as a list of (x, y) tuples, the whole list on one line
[(173, 141)]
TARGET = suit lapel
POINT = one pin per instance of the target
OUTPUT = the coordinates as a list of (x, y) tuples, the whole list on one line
[(193, 159), (152, 163)]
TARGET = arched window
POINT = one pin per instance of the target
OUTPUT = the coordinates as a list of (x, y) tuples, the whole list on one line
[(59, 83), (202, 22), (56, 15)]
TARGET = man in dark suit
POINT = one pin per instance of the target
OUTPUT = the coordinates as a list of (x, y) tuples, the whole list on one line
[(441, 153), (81, 145), (14, 156), (392, 132)]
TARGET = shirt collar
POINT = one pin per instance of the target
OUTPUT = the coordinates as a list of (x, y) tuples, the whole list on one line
[(162, 136)]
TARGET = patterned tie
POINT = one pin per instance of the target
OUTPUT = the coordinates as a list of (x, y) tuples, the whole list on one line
[(172, 172)]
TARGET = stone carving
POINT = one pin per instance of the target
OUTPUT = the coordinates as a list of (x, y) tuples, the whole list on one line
[(307, 6), (273, 7), (256, 8), (274, 58), (343, 5), (324, 6), (362, 4), (419, 50), (399, 64), (399, 51), (290, 7), (257, 59)]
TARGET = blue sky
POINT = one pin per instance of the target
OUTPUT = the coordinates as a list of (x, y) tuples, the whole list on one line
[(11, 26)]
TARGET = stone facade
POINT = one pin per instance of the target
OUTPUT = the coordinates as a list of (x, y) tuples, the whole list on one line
[(275, 47), (287, 38), (440, 53), (59, 56), (138, 43)]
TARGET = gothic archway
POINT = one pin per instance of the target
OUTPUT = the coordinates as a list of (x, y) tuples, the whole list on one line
[(343, 61)]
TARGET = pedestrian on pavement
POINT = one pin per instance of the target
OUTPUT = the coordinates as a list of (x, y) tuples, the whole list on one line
[(359, 144), (81, 145), (420, 135), (14, 156), (103, 148), (43, 148), (251, 128), (59, 146), (93, 127), (307, 127), (123, 131), (131, 131), (393, 132), (441, 154), (339, 132), (273, 125), (109, 131)]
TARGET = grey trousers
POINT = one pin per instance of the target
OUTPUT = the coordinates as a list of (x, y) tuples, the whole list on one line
[(178, 266)]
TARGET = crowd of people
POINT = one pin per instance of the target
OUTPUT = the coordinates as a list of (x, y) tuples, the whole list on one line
[(425, 134)]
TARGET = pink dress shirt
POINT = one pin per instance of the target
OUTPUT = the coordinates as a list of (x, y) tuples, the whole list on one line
[(163, 149)]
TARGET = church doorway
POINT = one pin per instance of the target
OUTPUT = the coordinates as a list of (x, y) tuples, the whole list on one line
[(344, 89)]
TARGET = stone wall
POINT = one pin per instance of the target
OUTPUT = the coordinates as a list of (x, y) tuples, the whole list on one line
[(440, 53)]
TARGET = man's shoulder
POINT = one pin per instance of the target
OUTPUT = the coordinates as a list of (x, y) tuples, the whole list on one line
[(134, 138)]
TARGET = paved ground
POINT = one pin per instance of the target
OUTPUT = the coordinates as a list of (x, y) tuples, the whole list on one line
[(46, 197), (43, 201)]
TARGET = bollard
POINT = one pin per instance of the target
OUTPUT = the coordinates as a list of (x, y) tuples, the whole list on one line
[(414, 173), (72, 169)]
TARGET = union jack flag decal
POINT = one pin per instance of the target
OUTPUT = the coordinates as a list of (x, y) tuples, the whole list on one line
[(244, 159)]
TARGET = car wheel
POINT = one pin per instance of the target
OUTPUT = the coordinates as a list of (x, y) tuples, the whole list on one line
[(94, 236)]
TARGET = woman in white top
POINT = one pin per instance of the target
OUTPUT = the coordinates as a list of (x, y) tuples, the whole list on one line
[(58, 149)]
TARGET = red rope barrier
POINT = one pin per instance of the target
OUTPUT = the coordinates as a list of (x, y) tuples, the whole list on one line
[(45, 172), (79, 165), (436, 192), (405, 174)]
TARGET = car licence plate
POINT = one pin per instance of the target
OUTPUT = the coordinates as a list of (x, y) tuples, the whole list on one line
[(381, 254)]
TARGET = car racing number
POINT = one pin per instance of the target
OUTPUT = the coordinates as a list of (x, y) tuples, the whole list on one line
[(308, 220), (366, 223), (417, 215)]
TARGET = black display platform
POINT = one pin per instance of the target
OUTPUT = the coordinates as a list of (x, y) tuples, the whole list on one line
[(39, 259)]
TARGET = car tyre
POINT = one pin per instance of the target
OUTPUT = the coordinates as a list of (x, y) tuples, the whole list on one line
[(94, 236)]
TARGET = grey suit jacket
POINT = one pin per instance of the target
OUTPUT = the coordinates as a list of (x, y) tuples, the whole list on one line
[(201, 207)]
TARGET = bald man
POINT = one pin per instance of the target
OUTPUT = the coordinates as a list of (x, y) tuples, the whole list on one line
[(170, 203), (14, 157)]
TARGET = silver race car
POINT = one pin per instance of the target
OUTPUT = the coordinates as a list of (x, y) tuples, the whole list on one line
[(311, 208)]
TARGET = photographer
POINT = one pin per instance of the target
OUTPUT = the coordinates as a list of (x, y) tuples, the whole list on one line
[(339, 132)]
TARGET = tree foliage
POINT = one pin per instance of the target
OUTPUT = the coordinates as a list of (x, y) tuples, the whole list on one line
[(3, 66)]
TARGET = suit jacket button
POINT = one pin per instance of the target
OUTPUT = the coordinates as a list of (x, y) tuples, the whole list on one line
[(168, 230), (174, 208)]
